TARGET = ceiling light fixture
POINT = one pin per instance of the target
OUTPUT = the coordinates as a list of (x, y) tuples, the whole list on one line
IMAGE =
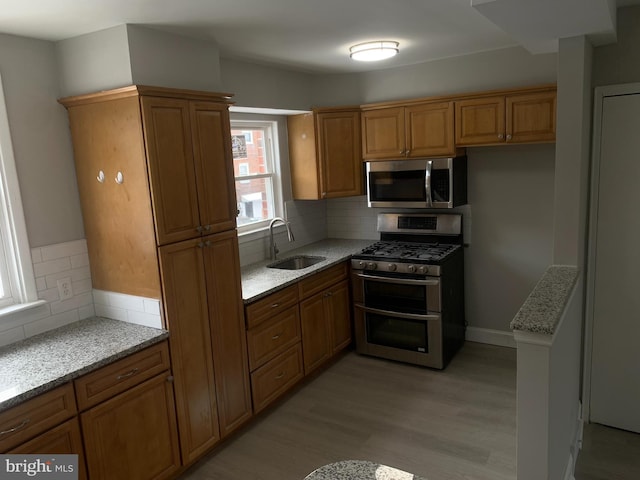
[(374, 51)]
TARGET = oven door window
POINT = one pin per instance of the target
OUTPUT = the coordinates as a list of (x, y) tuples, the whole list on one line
[(395, 297), (404, 186), (389, 331)]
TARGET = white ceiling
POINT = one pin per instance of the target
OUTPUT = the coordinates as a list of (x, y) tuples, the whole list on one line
[(315, 35)]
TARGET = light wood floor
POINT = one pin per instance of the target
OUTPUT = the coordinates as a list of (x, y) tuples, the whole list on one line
[(608, 454), (459, 423)]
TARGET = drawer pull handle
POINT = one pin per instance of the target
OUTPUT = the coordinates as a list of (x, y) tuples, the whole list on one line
[(24, 423), (275, 305), (276, 336), (127, 375), (280, 375)]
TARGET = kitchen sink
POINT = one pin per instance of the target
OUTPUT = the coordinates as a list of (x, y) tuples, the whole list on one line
[(296, 263)]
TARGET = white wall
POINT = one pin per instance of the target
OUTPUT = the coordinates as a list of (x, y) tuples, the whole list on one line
[(41, 141)]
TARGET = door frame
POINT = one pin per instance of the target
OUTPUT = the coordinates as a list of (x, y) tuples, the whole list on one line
[(594, 196)]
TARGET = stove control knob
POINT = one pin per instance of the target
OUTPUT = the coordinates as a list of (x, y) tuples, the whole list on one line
[(362, 265), (411, 269), (372, 266), (423, 270), (392, 267)]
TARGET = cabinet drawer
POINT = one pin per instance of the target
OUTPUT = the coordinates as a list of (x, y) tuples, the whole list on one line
[(35, 416), (119, 376), (259, 311), (320, 281), (273, 337), (276, 377)]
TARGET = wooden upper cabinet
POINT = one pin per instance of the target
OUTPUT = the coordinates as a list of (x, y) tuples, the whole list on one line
[(412, 131), (383, 134), (118, 221), (531, 118), (188, 148), (211, 135), (515, 118), (325, 154), (171, 166)]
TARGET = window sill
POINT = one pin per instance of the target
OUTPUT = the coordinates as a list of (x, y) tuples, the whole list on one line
[(20, 307)]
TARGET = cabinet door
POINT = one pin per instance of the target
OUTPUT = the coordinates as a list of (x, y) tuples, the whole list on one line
[(338, 311), (339, 151), (211, 136), (316, 337), (480, 121), (171, 168), (383, 133), (118, 220), (531, 118), (430, 130), (63, 439), (228, 338), (187, 317), (133, 435)]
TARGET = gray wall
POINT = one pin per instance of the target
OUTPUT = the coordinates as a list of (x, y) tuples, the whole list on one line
[(618, 63), (169, 60), (93, 62), (506, 68), (265, 87), (41, 142)]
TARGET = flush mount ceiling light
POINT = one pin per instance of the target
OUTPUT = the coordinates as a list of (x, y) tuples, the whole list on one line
[(374, 51)]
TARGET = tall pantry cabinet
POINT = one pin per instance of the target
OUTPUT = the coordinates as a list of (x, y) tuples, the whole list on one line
[(155, 176)]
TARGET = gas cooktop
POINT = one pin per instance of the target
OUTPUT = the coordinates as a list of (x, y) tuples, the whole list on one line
[(399, 251)]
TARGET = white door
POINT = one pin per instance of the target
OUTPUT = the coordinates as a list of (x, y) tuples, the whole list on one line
[(615, 357)]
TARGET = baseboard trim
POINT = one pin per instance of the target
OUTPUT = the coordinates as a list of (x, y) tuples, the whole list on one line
[(491, 337)]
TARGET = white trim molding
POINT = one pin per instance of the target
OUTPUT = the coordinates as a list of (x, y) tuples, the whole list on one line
[(490, 336)]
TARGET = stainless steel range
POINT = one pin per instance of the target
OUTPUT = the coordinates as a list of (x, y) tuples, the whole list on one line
[(408, 290)]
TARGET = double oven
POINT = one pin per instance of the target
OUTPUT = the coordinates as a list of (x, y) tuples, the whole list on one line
[(408, 290)]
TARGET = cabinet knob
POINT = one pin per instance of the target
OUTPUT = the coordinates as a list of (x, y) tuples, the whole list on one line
[(199, 229), (207, 243), (119, 178), (100, 176), (207, 228), (170, 379), (201, 245), (509, 137), (500, 136)]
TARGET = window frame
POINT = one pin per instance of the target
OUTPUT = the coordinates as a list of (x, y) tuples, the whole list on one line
[(270, 131), (15, 254)]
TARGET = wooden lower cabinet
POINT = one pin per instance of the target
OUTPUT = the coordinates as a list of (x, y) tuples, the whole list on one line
[(202, 300), (326, 324), (276, 377), (63, 439), (133, 435)]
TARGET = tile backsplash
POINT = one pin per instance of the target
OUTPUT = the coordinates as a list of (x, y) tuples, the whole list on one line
[(68, 260)]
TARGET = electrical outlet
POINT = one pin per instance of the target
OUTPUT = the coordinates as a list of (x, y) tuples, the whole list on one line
[(64, 288)]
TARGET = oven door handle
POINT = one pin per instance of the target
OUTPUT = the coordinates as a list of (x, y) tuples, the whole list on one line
[(427, 183), (408, 316), (400, 281)]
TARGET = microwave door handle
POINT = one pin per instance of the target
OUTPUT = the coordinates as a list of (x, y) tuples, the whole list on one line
[(427, 183)]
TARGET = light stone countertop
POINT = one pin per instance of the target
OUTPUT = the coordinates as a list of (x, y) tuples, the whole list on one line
[(542, 310), (360, 470), (42, 362), (259, 281)]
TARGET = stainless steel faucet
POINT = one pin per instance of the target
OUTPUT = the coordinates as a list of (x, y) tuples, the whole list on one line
[(273, 248)]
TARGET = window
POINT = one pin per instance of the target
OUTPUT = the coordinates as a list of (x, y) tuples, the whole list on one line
[(17, 282), (255, 166)]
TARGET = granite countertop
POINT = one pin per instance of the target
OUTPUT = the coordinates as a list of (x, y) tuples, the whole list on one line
[(542, 310), (359, 470), (40, 363), (259, 281)]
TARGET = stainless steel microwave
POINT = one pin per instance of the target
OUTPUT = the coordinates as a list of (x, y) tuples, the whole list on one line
[(421, 183)]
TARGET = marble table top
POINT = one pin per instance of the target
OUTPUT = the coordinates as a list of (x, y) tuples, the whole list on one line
[(360, 470)]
